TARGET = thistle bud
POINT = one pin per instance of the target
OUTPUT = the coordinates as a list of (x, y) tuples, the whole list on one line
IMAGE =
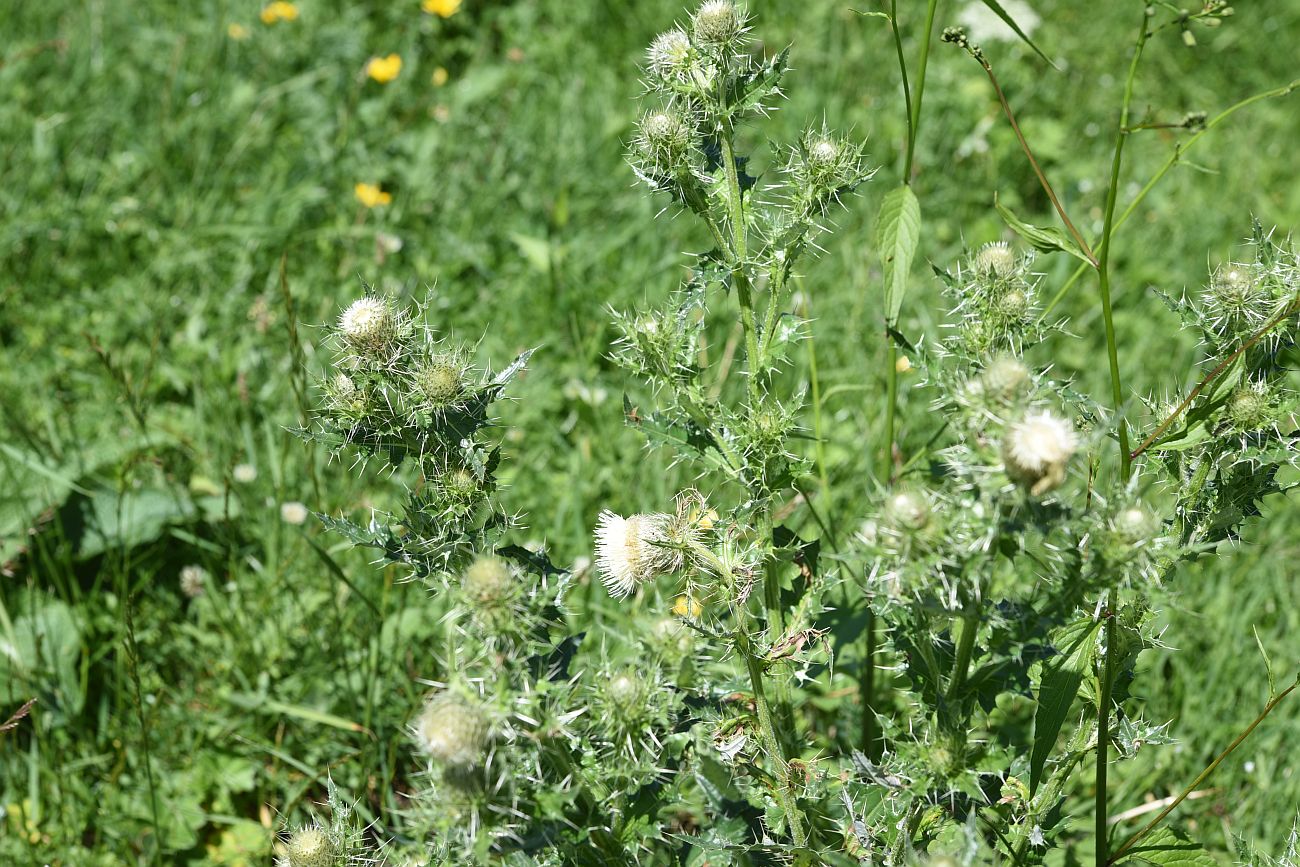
[(1036, 451), (460, 487), (370, 325), (669, 56), (1012, 304), (908, 511), (997, 259), (1249, 407), (664, 139), (439, 382), (490, 587), (1133, 526), (635, 550), (310, 847), (717, 23), (1004, 379), (453, 732), (625, 694)]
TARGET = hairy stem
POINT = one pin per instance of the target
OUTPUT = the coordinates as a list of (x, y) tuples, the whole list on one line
[(739, 252), (785, 793), (1103, 734)]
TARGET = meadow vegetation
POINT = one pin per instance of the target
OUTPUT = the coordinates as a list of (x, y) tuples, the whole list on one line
[(528, 433)]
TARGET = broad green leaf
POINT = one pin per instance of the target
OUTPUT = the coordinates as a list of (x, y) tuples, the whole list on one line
[(898, 230), (1166, 847), (1061, 677), (1047, 240), (996, 9)]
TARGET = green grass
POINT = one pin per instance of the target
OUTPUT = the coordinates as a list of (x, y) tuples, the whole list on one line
[(158, 177)]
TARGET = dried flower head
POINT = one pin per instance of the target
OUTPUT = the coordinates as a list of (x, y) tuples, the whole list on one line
[(633, 550), (453, 731), (294, 512), (1037, 449)]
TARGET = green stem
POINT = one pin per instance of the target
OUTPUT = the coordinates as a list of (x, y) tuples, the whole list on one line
[(1204, 775), (739, 252), (1103, 734), (771, 743), (1103, 261), (891, 409), (1172, 161), (920, 91), (970, 623)]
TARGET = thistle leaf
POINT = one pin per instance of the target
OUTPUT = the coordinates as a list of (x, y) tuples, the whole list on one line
[(1044, 239), (1062, 676), (898, 230)]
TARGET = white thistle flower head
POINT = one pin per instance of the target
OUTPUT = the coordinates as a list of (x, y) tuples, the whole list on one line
[(633, 550), (453, 732), (194, 581), (997, 259), (294, 513), (1037, 449), (718, 23), (369, 324), (669, 56), (310, 846), (244, 473)]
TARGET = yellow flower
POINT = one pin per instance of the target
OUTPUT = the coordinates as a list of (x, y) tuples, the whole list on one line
[(237, 32), (440, 76), (371, 196), (441, 8), (903, 364), (688, 606), (384, 69), (279, 11)]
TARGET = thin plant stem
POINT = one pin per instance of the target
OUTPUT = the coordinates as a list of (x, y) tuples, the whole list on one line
[(1204, 775), (1103, 263), (970, 623), (739, 252), (767, 732), (1172, 161), (1103, 735), (915, 106), (1033, 162)]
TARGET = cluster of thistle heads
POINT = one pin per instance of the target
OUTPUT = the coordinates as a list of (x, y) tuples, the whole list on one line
[(705, 81), (338, 842), (401, 394)]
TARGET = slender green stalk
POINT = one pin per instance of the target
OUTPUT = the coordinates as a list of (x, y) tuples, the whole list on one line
[(785, 794), (1103, 262), (1173, 160), (915, 106), (1204, 775), (1103, 735), (970, 624), (739, 252)]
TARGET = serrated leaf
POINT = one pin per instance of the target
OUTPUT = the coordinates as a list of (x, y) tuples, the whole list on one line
[(1168, 848), (898, 231), (1061, 678), (1044, 239), (996, 9), (686, 439)]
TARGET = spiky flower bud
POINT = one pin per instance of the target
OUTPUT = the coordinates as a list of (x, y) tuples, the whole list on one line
[(310, 846), (908, 511), (1133, 525), (1012, 304), (460, 488), (488, 581), (370, 324), (635, 550), (439, 382), (1249, 406), (717, 23), (996, 258), (1036, 451), (625, 694), (1004, 379), (664, 139), (453, 731), (669, 56)]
